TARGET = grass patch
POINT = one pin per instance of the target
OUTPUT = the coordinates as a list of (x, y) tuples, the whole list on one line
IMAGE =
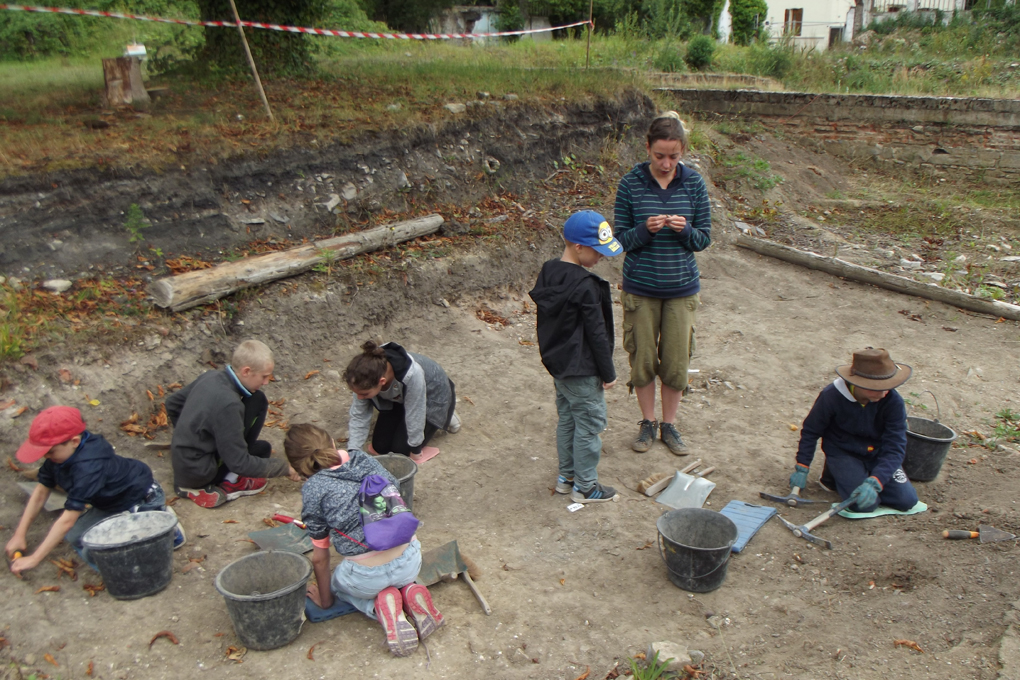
[(756, 171)]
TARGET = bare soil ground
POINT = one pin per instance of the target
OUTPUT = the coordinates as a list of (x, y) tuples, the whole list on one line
[(572, 592)]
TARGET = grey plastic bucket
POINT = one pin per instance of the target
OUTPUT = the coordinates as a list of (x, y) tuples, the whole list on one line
[(133, 552), (404, 469), (928, 443), (695, 544), (265, 595)]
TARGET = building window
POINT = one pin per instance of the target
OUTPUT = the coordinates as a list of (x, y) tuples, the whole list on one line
[(792, 21)]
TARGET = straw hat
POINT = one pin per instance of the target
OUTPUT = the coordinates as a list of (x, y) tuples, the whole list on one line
[(872, 369)]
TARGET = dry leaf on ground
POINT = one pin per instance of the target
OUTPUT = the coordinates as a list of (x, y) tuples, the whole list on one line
[(164, 634)]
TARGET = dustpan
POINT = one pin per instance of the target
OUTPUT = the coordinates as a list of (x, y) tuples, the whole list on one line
[(286, 537), (445, 563), (686, 491)]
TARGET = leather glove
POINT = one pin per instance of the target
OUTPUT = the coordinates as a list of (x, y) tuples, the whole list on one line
[(799, 477), (866, 495)]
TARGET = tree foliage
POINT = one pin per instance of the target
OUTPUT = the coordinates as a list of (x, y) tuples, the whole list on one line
[(747, 20), (405, 15)]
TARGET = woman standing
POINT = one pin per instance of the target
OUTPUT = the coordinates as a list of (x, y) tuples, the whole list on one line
[(412, 393), (662, 218)]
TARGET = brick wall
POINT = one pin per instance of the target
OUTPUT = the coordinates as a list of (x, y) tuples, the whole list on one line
[(937, 135)]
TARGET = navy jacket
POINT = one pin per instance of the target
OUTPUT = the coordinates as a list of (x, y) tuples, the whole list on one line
[(95, 475), (876, 431), (575, 322)]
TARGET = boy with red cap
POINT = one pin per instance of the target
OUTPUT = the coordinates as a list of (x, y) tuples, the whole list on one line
[(862, 422), (85, 466)]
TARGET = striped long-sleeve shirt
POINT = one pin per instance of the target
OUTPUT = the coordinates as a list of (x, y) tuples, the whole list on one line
[(662, 265)]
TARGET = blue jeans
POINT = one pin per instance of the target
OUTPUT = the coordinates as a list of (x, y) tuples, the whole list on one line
[(581, 403), (359, 584), (155, 500), (849, 472)]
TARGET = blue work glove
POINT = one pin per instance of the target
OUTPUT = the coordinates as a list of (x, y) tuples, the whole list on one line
[(799, 477), (866, 495)]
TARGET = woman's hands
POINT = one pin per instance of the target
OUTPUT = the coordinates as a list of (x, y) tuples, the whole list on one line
[(675, 222)]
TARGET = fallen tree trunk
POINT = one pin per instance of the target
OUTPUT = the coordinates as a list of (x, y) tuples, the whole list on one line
[(207, 285), (900, 284)]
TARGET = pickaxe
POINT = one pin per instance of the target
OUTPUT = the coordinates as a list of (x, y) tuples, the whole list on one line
[(804, 530), (793, 500)]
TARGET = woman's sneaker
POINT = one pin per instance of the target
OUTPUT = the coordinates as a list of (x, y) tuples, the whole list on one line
[(454, 426), (596, 494), (400, 635), (646, 437), (418, 606), (564, 485)]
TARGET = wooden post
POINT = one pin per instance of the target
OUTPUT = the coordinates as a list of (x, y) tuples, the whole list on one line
[(587, 49), (251, 62), (123, 76)]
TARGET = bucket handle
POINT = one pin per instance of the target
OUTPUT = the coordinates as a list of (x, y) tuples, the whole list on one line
[(937, 409), (729, 553)]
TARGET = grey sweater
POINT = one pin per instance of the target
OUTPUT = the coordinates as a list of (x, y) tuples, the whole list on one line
[(420, 384), (208, 419), (329, 502)]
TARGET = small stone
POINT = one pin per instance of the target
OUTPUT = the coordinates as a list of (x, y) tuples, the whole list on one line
[(910, 264), (511, 97), (696, 657), (455, 108), (975, 373), (960, 258), (728, 385), (278, 218), (742, 226), (993, 247), (482, 95), (349, 192), (443, 303), (676, 653), (393, 107), (254, 220), (937, 276), (333, 374), (402, 181), (333, 202), (56, 245), (56, 285), (918, 128)]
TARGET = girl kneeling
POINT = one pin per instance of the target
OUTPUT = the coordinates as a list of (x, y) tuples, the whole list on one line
[(380, 583)]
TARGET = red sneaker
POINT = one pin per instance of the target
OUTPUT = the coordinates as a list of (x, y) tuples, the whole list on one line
[(244, 486), (420, 611), (400, 636), (209, 497)]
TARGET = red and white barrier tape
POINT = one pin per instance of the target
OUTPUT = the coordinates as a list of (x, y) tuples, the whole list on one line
[(288, 29)]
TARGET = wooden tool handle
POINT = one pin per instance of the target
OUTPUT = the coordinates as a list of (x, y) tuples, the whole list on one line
[(691, 466), (795, 491), (706, 471), (478, 595), (826, 515), (957, 534)]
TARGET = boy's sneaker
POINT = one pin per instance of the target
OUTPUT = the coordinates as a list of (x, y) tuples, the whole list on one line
[(179, 537), (420, 611), (564, 485), (400, 635), (244, 486), (454, 426), (596, 494), (646, 437), (671, 438), (211, 496)]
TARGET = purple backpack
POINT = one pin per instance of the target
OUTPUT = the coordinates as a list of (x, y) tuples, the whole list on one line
[(385, 518)]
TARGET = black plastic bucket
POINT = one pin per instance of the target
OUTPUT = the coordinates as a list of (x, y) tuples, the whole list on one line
[(404, 469), (695, 544), (133, 552), (265, 595), (928, 443)]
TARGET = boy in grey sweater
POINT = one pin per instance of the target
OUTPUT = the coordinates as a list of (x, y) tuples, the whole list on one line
[(215, 451)]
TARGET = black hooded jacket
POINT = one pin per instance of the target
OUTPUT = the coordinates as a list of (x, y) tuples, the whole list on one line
[(575, 322)]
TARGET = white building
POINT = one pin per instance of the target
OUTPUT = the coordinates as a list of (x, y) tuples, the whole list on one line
[(820, 24)]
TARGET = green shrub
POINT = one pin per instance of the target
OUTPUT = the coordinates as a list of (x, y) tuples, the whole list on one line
[(669, 58), (748, 20), (700, 51), (770, 60)]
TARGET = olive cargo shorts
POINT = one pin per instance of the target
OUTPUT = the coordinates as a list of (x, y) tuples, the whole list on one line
[(658, 334)]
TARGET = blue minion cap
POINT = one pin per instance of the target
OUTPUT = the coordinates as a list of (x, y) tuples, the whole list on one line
[(588, 228)]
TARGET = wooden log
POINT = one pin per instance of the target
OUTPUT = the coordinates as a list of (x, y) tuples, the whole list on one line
[(207, 285), (899, 284), (123, 76)]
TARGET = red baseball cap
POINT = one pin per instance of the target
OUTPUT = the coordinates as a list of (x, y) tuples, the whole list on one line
[(53, 426)]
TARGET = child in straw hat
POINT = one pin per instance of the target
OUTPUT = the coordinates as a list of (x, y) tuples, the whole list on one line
[(862, 423)]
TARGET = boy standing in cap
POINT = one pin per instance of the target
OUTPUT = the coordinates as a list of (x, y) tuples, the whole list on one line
[(85, 466), (576, 340), (862, 422)]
